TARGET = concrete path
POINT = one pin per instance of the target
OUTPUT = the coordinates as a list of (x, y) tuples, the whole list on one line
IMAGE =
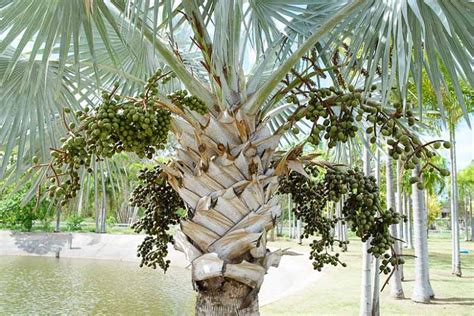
[(292, 276)]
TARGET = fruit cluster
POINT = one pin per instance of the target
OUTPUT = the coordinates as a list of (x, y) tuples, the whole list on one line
[(129, 126), (139, 125), (335, 115), (161, 204), (334, 127), (309, 202), (361, 210), (181, 99)]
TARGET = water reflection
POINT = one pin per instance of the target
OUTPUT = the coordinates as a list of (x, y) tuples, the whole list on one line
[(40, 285)]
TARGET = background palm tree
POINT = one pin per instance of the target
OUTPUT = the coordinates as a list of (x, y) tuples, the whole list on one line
[(233, 56), (466, 185), (447, 95)]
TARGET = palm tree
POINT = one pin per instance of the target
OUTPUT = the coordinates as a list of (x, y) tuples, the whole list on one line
[(466, 184), (239, 58), (455, 111)]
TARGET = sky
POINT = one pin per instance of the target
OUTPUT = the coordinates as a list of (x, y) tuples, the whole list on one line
[(464, 144)]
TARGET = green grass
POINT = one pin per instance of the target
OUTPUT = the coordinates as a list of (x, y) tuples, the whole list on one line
[(337, 292)]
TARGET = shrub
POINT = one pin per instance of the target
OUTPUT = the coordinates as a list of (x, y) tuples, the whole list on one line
[(16, 215), (75, 223)]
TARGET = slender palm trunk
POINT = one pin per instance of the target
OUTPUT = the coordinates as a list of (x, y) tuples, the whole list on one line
[(343, 226), (404, 224), (470, 216), (376, 292), (96, 200), (290, 222), (57, 228), (103, 211), (341, 229), (299, 231), (409, 223), (399, 210), (422, 291), (396, 289), (426, 196), (399, 198), (456, 260), (466, 218), (366, 283)]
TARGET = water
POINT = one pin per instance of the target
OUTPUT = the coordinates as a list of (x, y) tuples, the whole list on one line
[(43, 285)]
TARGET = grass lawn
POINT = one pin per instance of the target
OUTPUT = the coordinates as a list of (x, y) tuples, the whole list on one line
[(337, 291)]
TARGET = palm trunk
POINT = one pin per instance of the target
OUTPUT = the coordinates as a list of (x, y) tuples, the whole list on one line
[(426, 196), (290, 222), (399, 200), (341, 229), (422, 292), (470, 215), (366, 283), (456, 261), (103, 216), (376, 292), (399, 210), (96, 200), (226, 299), (409, 223), (224, 173), (404, 224), (57, 228), (466, 219), (298, 231), (396, 289)]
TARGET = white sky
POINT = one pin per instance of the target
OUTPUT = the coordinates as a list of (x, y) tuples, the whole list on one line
[(464, 144)]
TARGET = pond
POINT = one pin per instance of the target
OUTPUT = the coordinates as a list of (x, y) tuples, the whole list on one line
[(44, 285)]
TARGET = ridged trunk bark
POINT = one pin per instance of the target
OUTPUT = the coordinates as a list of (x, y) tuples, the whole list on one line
[(217, 297), (396, 288), (366, 282), (422, 292), (224, 172), (455, 260)]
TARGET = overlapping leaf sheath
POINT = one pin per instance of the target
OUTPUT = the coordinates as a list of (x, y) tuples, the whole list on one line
[(224, 174)]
